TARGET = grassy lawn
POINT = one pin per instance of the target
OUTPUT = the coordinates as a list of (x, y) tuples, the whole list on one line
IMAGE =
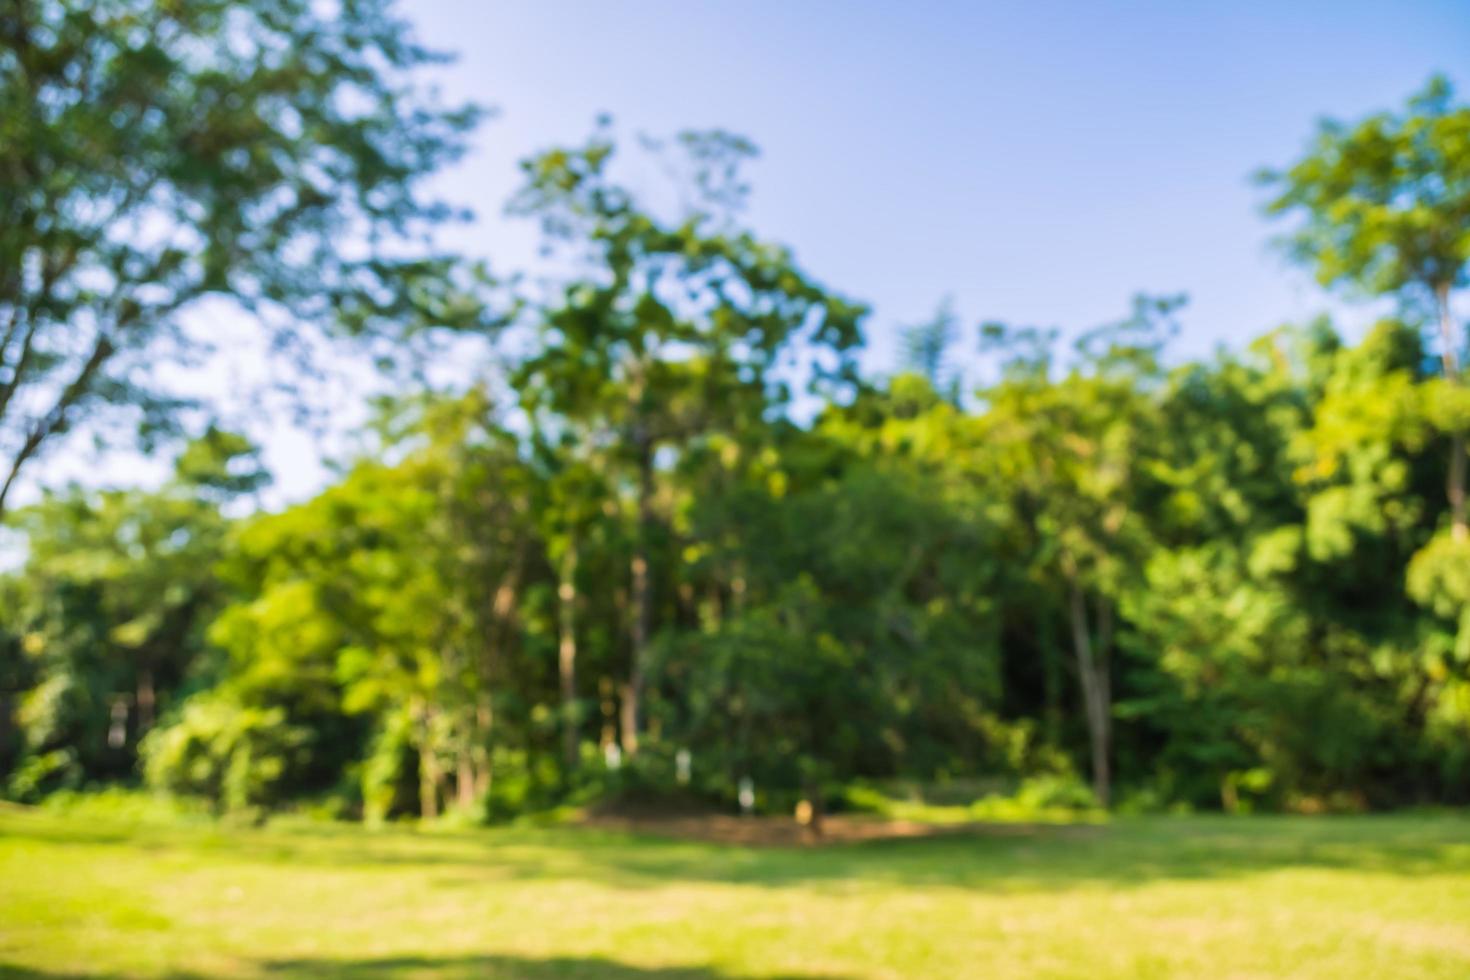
[(1381, 896)]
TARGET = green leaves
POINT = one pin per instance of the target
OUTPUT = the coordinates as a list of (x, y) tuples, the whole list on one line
[(113, 600), (270, 152), (1383, 204), (1224, 583), (235, 755)]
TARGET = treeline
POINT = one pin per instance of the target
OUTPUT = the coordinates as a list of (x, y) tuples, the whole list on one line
[(1226, 583), (681, 542)]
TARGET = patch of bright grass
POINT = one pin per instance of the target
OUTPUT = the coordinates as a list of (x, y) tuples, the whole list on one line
[(124, 895), (1043, 800)]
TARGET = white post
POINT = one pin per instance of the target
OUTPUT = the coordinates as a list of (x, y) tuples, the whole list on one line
[(682, 761), (747, 796)]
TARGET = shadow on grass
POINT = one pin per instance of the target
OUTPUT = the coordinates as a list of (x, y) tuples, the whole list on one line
[(493, 967), (505, 967), (1127, 852)]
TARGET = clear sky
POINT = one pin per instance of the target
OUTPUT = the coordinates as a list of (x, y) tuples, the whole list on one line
[(1039, 162)]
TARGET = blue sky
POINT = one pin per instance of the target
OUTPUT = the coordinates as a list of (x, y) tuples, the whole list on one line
[(1038, 162)]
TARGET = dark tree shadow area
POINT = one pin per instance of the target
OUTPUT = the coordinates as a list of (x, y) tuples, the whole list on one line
[(491, 967), (507, 967)]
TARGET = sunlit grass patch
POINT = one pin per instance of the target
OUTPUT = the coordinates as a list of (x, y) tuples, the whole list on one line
[(1197, 896)]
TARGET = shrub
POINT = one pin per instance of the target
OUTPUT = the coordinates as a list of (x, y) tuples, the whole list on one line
[(234, 755)]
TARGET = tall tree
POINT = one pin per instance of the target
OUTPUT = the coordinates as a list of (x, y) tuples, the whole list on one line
[(672, 332), (572, 492), (1073, 452), (271, 152), (112, 600), (1383, 205), (391, 601), (926, 349)]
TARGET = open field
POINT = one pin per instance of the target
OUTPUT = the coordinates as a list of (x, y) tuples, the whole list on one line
[(1198, 896)]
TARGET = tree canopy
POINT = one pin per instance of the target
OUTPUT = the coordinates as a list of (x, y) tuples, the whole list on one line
[(154, 154), (682, 547)]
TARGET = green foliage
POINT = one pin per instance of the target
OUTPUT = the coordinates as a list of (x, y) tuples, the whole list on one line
[(389, 772), (271, 152), (234, 755), (109, 614), (1047, 798), (42, 773), (634, 577), (926, 350), (1384, 203)]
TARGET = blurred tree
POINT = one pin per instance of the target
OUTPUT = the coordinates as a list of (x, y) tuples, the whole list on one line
[(111, 605), (1242, 570), (394, 596), (673, 333), (573, 491), (270, 152), (1075, 450), (1384, 206), (926, 349), (859, 641)]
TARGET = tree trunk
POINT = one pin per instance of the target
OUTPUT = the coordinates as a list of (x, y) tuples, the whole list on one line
[(566, 594), (465, 780), (498, 635), (1455, 484), (147, 700), (815, 811), (1092, 669), (428, 785), (428, 768), (642, 599), (484, 771)]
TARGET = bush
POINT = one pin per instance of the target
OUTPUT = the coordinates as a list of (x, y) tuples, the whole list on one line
[(234, 755), (520, 783), (115, 803), (43, 773), (389, 775), (1051, 797), (1054, 792)]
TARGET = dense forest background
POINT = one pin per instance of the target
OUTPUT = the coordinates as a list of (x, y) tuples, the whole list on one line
[(677, 542)]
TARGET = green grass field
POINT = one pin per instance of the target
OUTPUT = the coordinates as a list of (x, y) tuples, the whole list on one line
[(1379, 896)]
